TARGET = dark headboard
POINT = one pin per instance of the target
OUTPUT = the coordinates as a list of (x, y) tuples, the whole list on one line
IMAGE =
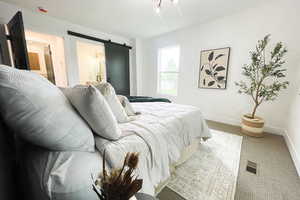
[(10, 188), (8, 164), (18, 42), (4, 52), (7, 144)]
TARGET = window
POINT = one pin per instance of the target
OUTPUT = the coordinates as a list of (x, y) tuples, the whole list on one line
[(168, 69)]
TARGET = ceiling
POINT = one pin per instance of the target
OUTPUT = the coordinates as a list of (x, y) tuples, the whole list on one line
[(136, 18)]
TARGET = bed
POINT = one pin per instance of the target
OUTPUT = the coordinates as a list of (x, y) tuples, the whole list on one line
[(165, 135), (67, 153)]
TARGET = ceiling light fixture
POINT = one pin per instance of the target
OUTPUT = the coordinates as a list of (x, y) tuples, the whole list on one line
[(158, 4)]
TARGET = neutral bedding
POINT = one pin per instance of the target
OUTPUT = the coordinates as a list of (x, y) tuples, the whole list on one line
[(60, 175), (160, 134)]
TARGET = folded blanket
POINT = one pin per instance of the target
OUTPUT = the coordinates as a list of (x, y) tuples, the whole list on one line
[(147, 99)]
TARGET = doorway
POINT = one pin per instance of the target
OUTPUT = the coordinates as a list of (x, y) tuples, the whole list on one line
[(47, 57), (91, 62), (40, 59)]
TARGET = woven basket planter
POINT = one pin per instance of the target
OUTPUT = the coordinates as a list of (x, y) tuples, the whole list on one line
[(253, 127)]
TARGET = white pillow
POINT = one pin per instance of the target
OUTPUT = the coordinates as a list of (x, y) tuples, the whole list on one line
[(93, 107), (40, 113), (110, 95), (126, 105)]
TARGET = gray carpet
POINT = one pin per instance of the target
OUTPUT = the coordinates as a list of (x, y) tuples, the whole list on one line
[(276, 178)]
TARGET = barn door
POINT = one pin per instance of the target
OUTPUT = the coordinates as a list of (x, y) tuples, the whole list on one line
[(18, 42), (117, 68)]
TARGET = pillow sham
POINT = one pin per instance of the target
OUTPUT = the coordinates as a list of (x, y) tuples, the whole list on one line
[(110, 95), (126, 105), (92, 106), (40, 113)]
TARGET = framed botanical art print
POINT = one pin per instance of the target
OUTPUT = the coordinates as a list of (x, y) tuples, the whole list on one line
[(214, 68)]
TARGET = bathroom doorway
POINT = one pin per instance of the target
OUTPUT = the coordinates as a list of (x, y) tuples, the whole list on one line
[(40, 59), (47, 57), (91, 62)]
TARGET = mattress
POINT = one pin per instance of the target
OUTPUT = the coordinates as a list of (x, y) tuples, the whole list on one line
[(160, 134)]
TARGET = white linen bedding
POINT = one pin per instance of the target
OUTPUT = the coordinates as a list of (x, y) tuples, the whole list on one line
[(60, 175), (160, 134)]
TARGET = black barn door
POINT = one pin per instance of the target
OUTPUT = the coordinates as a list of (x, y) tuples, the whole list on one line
[(18, 42), (117, 68)]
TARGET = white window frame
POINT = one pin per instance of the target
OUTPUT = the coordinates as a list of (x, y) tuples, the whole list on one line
[(159, 71)]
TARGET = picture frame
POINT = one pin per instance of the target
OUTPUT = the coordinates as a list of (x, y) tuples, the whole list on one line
[(213, 70)]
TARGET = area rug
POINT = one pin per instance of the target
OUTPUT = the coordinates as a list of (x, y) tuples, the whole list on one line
[(211, 173)]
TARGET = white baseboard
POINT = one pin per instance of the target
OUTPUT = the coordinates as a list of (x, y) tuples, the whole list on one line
[(234, 122), (274, 130), (292, 149)]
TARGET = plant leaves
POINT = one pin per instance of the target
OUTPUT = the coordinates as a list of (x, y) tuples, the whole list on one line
[(211, 56), (96, 190), (211, 83), (202, 68), (215, 66), (219, 56), (204, 82), (208, 72), (220, 78), (216, 73), (219, 86), (220, 68), (135, 186)]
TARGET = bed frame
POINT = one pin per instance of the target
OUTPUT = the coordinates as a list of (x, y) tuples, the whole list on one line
[(8, 143), (8, 165)]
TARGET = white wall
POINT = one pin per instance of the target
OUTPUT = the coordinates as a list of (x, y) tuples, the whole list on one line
[(44, 24), (240, 31), (292, 135), (137, 63)]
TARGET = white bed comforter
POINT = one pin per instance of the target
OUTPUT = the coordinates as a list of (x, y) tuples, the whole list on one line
[(159, 134)]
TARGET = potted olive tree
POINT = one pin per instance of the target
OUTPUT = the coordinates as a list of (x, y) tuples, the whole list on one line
[(264, 75)]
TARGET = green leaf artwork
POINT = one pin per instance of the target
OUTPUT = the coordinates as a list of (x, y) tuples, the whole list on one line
[(213, 70)]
